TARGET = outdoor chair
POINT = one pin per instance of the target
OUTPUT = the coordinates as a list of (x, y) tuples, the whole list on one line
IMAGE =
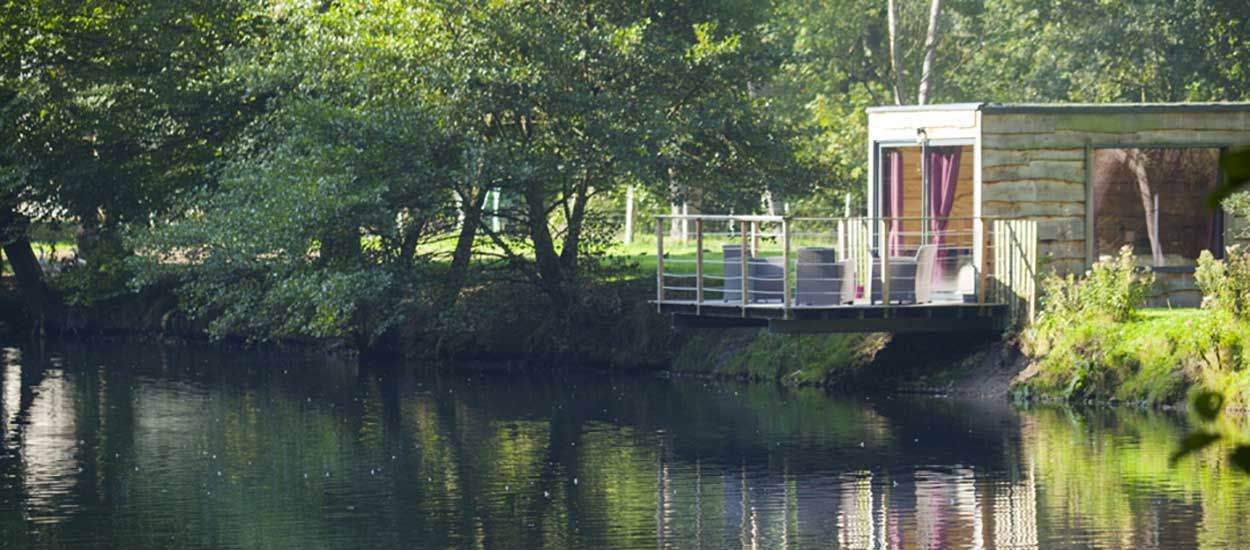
[(766, 278), (732, 284), (911, 278), (820, 280)]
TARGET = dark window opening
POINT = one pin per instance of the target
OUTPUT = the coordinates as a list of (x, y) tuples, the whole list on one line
[(1154, 200)]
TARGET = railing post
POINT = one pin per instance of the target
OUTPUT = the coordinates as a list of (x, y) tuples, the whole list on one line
[(1013, 281), (885, 262), (698, 264), (755, 238), (742, 259), (659, 264), (984, 268), (785, 272)]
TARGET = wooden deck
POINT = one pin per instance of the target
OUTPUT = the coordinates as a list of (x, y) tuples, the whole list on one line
[(989, 284), (862, 317)]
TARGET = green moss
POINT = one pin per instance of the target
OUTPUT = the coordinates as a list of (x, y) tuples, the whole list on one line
[(791, 359)]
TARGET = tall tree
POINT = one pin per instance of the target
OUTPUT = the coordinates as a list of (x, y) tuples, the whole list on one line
[(106, 114), (896, 70), (930, 52)]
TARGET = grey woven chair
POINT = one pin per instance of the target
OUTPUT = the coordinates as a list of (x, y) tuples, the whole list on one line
[(911, 278), (732, 284), (765, 280), (820, 280)]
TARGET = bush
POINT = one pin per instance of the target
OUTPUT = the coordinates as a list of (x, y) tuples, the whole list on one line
[(1110, 291), (1225, 284)]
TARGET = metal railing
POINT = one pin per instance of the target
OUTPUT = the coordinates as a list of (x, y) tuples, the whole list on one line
[(792, 262)]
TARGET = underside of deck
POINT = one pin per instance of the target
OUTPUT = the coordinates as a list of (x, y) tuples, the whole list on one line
[(898, 319)]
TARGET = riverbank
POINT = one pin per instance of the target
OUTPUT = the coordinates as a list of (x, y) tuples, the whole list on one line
[(1156, 357), (972, 365)]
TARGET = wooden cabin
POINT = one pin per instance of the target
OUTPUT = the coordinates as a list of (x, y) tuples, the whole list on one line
[(968, 205), (1095, 177)]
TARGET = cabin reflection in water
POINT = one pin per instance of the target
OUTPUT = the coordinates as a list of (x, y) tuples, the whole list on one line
[(110, 456)]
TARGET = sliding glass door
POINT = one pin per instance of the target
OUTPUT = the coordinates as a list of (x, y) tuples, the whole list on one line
[(926, 193)]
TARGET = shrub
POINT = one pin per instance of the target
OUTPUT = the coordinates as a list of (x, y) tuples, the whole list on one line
[(1225, 284), (1111, 291)]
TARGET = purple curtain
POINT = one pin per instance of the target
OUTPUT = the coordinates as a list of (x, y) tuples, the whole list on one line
[(943, 178), (894, 171)]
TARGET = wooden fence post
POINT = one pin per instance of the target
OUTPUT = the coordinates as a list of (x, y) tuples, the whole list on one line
[(785, 272), (698, 282), (659, 264), (742, 260)]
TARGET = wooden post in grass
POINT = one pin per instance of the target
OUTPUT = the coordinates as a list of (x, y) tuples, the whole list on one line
[(698, 264), (785, 272), (659, 264), (742, 261)]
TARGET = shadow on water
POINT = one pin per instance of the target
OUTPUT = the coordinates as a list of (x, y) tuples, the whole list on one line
[(136, 446)]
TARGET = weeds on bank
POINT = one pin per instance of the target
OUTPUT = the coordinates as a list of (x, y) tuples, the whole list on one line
[(1095, 341), (790, 359)]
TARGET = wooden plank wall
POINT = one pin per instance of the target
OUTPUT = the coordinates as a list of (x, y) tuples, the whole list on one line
[(1034, 164)]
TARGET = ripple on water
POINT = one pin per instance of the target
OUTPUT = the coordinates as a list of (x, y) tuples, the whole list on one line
[(145, 447)]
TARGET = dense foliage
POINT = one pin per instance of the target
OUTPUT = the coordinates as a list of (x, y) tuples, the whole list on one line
[(346, 168)]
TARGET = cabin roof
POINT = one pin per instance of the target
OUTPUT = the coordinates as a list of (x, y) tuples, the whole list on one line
[(1063, 108)]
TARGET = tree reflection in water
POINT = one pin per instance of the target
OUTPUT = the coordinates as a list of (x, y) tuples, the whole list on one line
[(158, 447)]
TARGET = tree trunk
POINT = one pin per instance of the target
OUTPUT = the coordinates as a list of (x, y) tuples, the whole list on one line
[(29, 276), (930, 53), (629, 215), (547, 260), (896, 72), (411, 236), (573, 236), (471, 221), (1136, 160)]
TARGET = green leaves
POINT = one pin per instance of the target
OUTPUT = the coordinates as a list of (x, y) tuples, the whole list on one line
[(1236, 168), (1240, 458), (1208, 405), (1192, 443)]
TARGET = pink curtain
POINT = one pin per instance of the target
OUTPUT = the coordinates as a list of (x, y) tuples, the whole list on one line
[(894, 171), (943, 178)]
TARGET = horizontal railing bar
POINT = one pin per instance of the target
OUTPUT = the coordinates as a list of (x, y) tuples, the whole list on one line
[(773, 218), (724, 217)]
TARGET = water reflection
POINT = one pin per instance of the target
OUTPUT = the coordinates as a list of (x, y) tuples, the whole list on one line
[(142, 447)]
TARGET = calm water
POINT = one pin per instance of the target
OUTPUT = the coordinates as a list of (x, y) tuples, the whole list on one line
[(138, 447)]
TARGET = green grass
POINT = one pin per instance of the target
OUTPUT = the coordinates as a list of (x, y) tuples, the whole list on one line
[(807, 359), (1157, 357), (42, 249)]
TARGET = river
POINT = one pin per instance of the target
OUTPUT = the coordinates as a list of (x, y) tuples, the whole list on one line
[(157, 447)]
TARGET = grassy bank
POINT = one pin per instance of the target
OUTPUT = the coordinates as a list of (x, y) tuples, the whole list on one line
[(1155, 358), (754, 354), (1094, 342)]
